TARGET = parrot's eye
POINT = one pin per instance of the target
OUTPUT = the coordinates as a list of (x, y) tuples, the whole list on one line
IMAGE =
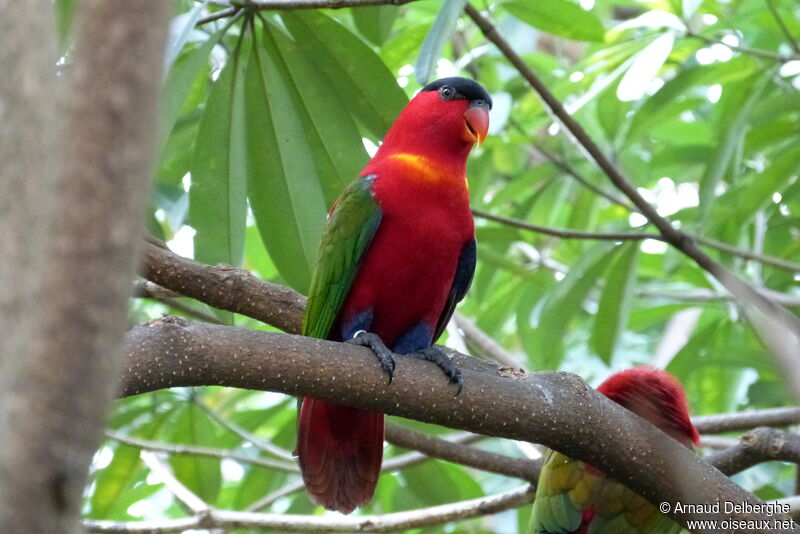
[(447, 93)]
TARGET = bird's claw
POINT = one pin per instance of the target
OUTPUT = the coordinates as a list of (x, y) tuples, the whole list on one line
[(372, 341), (443, 361)]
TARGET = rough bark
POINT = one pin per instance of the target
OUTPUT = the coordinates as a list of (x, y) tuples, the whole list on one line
[(58, 383), (555, 409)]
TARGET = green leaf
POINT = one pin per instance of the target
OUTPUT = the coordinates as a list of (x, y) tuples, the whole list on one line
[(115, 480), (350, 67), (612, 313), (738, 108), (434, 42), (285, 191), (200, 474), (218, 195), (375, 22), (180, 79), (660, 105), (559, 17), (741, 203), (65, 13), (180, 29), (333, 138), (435, 483), (566, 301)]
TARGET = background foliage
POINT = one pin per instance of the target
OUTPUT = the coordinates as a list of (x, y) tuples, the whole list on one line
[(267, 116)]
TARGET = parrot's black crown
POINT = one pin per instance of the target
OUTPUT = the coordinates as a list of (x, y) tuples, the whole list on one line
[(464, 87)]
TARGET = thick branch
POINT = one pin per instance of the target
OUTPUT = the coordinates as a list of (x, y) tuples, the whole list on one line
[(757, 446), (225, 288), (555, 409), (727, 422), (470, 456)]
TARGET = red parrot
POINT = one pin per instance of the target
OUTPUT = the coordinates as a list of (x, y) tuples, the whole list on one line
[(576, 498), (396, 255)]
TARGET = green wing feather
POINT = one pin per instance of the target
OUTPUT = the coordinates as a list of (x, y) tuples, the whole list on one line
[(351, 226), (567, 487), (554, 511)]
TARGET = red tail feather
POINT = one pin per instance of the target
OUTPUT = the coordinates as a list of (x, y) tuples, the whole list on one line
[(340, 451)]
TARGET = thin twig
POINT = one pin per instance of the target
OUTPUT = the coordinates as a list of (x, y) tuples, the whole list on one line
[(147, 289), (412, 519), (625, 236), (402, 437), (567, 234), (196, 450), (750, 255), (216, 15), (469, 456), (485, 342), (282, 5), (766, 54), (717, 442), (270, 498), (262, 444), (286, 5), (186, 496), (785, 29)]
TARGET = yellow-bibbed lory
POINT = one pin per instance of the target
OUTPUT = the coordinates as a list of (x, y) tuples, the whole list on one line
[(576, 498), (397, 254)]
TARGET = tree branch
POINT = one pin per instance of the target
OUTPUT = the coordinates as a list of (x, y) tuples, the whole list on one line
[(554, 409), (224, 287), (627, 236), (484, 342), (276, 5), (462, 454), (567, 234), (782, 25), (201, 451), (766, 54), (165, 475), (727, 422), (435, 515), (286, 5), (757, 446)]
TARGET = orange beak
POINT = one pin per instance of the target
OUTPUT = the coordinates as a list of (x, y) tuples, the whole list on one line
[(476, 122)]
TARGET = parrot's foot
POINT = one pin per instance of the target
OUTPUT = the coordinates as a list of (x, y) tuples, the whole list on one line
[(441, 359), (363, 338)]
